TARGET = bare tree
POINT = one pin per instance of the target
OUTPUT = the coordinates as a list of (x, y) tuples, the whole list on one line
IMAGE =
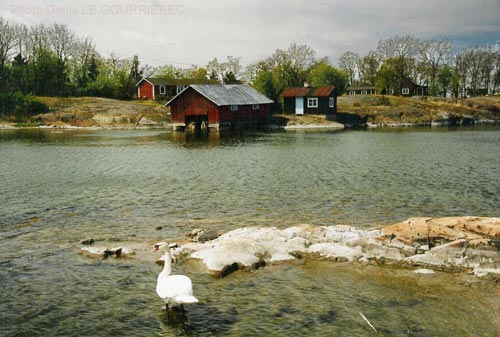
[(461, 67), (349, 62), (403, 51), (7, 41), (84, 55), (487, 65), (434, 54), (368, 68)]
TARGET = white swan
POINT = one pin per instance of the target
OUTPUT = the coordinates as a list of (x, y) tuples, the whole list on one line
[(174, 289)]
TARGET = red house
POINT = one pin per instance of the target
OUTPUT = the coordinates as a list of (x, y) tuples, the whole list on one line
[(153, 88), (218, 106)]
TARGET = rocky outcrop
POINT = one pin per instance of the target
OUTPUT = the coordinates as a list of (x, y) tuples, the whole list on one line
[(107, 252), (457, 244)]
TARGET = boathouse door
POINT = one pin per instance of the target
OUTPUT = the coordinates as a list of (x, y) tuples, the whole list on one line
[(299, 105)]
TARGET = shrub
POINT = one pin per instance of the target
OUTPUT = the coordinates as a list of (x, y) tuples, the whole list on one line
[(384, 101), (19, 106)]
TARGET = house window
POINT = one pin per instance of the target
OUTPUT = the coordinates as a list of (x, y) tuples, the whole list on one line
[(312, 102), (255, 107), (234, 107), (162, 90), (364, 92), (352, 92), (405, 91), (331, 102), (180, 88)]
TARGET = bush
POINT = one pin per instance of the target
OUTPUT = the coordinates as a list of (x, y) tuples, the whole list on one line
[(383, 101), (19, 106)]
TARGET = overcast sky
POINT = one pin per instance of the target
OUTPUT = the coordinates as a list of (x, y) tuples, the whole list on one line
[(185, 32)]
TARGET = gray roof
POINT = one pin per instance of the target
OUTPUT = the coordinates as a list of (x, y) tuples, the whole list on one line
[(229, 94), (174, 82)]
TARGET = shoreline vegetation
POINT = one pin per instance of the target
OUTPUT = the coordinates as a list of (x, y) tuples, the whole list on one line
[(353, 112)]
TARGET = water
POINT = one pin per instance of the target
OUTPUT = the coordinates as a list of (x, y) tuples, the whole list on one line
[(58, 188)]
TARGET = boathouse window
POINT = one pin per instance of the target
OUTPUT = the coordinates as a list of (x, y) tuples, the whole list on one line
[(255, 107), (331, 102), (405, 91), (162, 90), (234, 107), (312, 102)]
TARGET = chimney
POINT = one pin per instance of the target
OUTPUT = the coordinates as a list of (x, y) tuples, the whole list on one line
[(306, 84)]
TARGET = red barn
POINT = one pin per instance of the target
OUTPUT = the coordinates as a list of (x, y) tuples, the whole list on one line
[(217, 106)]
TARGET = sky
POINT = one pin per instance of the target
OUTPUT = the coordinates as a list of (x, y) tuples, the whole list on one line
[(192, 32)]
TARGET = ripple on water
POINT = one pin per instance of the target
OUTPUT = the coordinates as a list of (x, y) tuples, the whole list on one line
[(124, 185)]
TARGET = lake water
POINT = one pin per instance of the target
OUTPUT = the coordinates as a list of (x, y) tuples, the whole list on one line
[(140, 187)]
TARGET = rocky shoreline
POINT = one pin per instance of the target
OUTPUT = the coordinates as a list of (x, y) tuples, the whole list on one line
[(452, 244), (469, 244)]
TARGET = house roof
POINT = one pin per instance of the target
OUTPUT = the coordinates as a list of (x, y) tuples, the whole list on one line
[(231, 94), (309, 92), (366, 87), (172, 82)]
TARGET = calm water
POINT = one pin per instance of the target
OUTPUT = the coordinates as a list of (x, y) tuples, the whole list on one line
[(58, 188)]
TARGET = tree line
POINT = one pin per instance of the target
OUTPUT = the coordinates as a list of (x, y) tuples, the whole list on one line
[(52, 60), (445, 70)]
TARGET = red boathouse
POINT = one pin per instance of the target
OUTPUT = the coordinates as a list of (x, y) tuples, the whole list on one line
[(218, 106)]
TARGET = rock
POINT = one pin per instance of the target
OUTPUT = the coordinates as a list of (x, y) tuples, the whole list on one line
[(105, 252), (199, 235), (95, 251), (424, 271), (490, 273), (122, 251), (208, 236), (335, 251), (145, 121), (87, 242), (460, 243)]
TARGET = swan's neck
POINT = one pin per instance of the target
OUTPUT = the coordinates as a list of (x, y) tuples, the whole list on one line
[(167, 269)]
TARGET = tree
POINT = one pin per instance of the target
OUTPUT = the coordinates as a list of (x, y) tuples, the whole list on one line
[(403, 51), (349, 62), (389, 76), (324, 74), (434, 54), (461, 69), (7, 41), (445, 78), (226, 72), (84, 63), (170, 72), (62, 43), (197, 73), (368, 68), (264, 83)]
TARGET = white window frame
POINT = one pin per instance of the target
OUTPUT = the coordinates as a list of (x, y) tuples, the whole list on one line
[(255, 107), (312, 102), (364, 92), (180, 88), (331, 102), (405, 91), (234, 107), (163, 90)]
